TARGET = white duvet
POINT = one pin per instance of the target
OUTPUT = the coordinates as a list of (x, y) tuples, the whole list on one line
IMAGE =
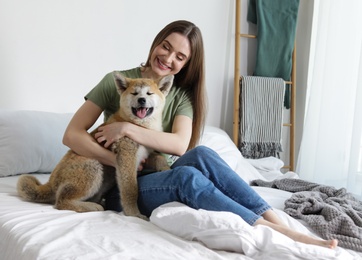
[(227, 231), (175, 231), (38, 231)]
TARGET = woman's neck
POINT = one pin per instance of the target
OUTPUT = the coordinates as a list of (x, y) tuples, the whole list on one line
[(147, 72)]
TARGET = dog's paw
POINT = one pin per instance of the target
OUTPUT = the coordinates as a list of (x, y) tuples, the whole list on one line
[(98, 207), (134, 213), (79, 206), (139, 215), (142, 217), (125, 144)]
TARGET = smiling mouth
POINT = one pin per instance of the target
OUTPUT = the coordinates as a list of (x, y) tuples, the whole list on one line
[(142, 112), (164, 66)]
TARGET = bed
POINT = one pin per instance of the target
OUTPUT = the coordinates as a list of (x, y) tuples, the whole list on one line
[(30, 142)]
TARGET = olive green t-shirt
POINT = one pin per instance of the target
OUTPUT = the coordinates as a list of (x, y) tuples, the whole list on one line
[(105, 95)]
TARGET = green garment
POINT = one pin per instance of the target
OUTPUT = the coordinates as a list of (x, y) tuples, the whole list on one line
[(276, 23)]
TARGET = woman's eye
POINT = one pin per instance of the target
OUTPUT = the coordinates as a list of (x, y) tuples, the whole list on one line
[(166, 47)]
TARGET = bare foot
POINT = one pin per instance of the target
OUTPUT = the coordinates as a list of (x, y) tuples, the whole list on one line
[(332, 243), (297, 236)]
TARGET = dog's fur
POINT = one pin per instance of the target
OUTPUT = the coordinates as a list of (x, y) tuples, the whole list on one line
[(78, 183)]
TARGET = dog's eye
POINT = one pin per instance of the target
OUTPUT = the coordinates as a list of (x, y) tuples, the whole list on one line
[(134, 93), (150, 93)]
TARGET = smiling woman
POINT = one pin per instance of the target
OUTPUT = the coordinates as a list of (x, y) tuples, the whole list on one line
[(171, 51), (169, 57), (199, 178)]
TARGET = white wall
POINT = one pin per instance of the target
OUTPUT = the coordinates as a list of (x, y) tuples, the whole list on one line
[(52, 52)]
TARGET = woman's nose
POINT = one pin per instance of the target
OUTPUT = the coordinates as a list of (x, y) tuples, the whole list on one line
[(169, 57)]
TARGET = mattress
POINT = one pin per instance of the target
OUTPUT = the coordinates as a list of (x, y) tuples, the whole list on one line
[(175, 231)]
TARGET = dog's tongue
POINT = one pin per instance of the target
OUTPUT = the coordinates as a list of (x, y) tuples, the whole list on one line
[(142, 112)]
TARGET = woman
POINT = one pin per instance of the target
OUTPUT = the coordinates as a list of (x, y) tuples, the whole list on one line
[(199, 178)]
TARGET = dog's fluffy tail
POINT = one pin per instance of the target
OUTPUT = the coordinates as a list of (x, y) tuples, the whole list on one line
[(30, 189)]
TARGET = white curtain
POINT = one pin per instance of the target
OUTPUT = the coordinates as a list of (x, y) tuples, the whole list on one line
[(331, 146)]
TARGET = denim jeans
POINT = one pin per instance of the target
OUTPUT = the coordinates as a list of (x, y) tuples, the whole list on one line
[(200, 179)]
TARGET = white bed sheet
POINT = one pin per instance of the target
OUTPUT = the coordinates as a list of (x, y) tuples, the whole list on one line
[(38, 231)]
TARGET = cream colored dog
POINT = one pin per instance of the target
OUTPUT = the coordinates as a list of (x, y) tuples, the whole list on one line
[(78, 183)]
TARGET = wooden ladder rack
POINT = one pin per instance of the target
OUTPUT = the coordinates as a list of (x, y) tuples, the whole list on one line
[(236, 122)]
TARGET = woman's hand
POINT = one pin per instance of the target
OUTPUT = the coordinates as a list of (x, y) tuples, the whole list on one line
[(111, 132)]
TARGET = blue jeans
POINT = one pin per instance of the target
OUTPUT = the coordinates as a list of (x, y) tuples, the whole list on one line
[(200, 179)]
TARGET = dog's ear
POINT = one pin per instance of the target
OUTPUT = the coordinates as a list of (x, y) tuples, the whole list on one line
[(121, 81), (165, 84)]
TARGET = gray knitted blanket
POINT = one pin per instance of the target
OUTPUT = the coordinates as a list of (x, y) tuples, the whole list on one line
[(332, 213)]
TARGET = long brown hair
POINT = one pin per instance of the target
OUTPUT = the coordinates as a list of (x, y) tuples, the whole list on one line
[(192, 75)]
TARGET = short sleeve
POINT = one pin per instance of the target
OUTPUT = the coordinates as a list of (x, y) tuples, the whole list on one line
[(178, 102), (105, 94)]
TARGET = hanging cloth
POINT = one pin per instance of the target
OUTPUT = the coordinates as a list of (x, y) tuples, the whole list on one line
[(261, 116), (276, 22)]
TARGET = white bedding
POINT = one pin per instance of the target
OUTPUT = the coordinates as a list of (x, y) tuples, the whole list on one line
[(38, 231), (175, 231)]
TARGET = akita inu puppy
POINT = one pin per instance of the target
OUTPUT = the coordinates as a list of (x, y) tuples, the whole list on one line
[(78, 183)]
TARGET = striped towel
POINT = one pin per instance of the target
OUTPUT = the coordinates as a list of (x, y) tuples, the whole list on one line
[(261, 116)]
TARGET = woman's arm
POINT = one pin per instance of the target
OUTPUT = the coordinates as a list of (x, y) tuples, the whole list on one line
[(172, 143), (175, 142), (80, 141)]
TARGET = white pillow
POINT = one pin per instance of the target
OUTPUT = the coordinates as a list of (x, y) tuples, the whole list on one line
[(31, 141), (218, 230), (227, 231)]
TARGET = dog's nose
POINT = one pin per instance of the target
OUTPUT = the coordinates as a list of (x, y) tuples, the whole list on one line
[(141, 101)]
